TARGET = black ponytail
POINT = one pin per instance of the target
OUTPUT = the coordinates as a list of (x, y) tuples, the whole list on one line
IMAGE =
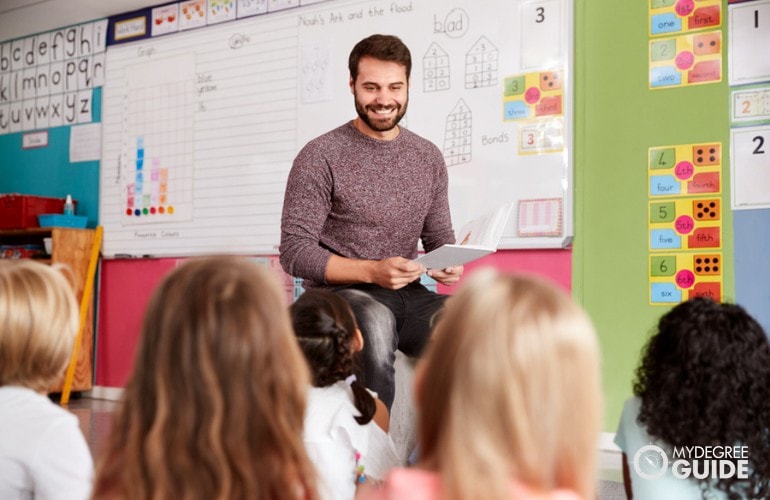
[(325, 327), (364, 402)]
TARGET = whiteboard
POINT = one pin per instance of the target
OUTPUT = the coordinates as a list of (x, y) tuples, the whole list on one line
[(201, 127)]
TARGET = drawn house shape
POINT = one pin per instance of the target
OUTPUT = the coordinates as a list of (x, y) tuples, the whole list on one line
[(481, 64), (435, 73), (458, 134)]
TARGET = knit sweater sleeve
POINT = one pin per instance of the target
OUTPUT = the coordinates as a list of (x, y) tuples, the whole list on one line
[(306, 205), (437, 229)]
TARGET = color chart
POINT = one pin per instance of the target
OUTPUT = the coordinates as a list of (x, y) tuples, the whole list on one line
[(158, 141)]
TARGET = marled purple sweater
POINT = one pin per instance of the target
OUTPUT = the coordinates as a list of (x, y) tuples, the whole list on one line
[(362, 198)]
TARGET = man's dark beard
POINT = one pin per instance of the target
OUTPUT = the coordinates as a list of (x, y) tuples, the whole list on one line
[(375, 125)]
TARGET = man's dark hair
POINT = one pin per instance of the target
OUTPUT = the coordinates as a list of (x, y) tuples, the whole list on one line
[(381, 47)]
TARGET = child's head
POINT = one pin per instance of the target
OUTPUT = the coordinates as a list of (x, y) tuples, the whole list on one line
[(216, 330), (510, 389), (38, 324), (216, 401), (327, 333), (704, 379), (329, 337)]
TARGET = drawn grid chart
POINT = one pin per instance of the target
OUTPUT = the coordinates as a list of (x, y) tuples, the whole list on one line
[(211, 117), (158, 140)]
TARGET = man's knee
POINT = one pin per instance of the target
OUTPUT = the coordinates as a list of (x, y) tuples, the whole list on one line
[(370, 314)]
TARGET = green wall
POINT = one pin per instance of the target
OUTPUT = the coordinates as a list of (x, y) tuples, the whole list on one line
[(617, 120)]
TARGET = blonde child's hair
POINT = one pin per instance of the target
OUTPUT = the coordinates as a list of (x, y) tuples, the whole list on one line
[(511, 390), (215, 405), (38, 324)]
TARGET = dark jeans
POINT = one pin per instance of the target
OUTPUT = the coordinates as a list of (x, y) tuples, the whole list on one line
[(390, 320)]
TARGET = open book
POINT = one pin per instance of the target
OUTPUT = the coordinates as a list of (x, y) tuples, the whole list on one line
[(476, 239)]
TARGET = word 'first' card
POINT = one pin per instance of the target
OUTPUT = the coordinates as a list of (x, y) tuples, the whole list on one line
[(682, 16)]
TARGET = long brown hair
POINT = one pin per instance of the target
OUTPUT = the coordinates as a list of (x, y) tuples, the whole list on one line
[(510, 391), (214, 407)]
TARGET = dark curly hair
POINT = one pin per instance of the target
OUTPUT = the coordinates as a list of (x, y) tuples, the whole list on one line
[(325, 327), (704, 380)]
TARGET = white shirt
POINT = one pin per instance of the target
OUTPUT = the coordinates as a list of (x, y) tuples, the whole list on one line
[(332, 438), (43, 454)]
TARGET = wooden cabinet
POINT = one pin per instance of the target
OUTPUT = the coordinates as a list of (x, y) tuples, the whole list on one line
[(73, 248)]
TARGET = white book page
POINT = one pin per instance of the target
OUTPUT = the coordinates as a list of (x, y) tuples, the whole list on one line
[(486, 230), (452, 255), (476, 239)]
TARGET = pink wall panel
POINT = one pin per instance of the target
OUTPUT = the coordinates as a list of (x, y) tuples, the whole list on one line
[(124, 291)]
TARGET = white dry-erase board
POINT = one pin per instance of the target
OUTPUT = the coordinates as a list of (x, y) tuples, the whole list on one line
[(201, 127)]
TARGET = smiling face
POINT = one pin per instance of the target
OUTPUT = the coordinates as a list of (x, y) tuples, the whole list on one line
[(381, 92)]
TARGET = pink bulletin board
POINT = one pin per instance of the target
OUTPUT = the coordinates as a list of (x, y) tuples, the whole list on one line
[(555, 265), (125, 289)]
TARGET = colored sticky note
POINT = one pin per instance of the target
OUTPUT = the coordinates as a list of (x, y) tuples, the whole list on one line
[(662, 265), (705, 237), (664, 76), (662, 212), (708, 43), (704, 17), (515, 110), (710, 290), (664, 293), (707, 264), (662, 158), (548, 106), (514, 85), (706, 71), (665, 23), (664, 185), (663, 50), (704, 183), (665, 238)]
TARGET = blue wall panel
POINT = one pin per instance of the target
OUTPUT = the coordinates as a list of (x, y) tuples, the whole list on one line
[(47, 171)]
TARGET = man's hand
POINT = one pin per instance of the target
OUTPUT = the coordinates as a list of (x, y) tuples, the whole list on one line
[(448, 276), (395, 272)]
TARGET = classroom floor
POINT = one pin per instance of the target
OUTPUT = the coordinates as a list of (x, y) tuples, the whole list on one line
[(95, 416)]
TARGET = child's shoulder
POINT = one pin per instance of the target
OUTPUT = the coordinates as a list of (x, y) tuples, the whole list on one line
[(328, 404), (30, 405), (337, 393)]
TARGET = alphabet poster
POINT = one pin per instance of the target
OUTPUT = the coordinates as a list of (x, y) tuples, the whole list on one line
[(47, 80)]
